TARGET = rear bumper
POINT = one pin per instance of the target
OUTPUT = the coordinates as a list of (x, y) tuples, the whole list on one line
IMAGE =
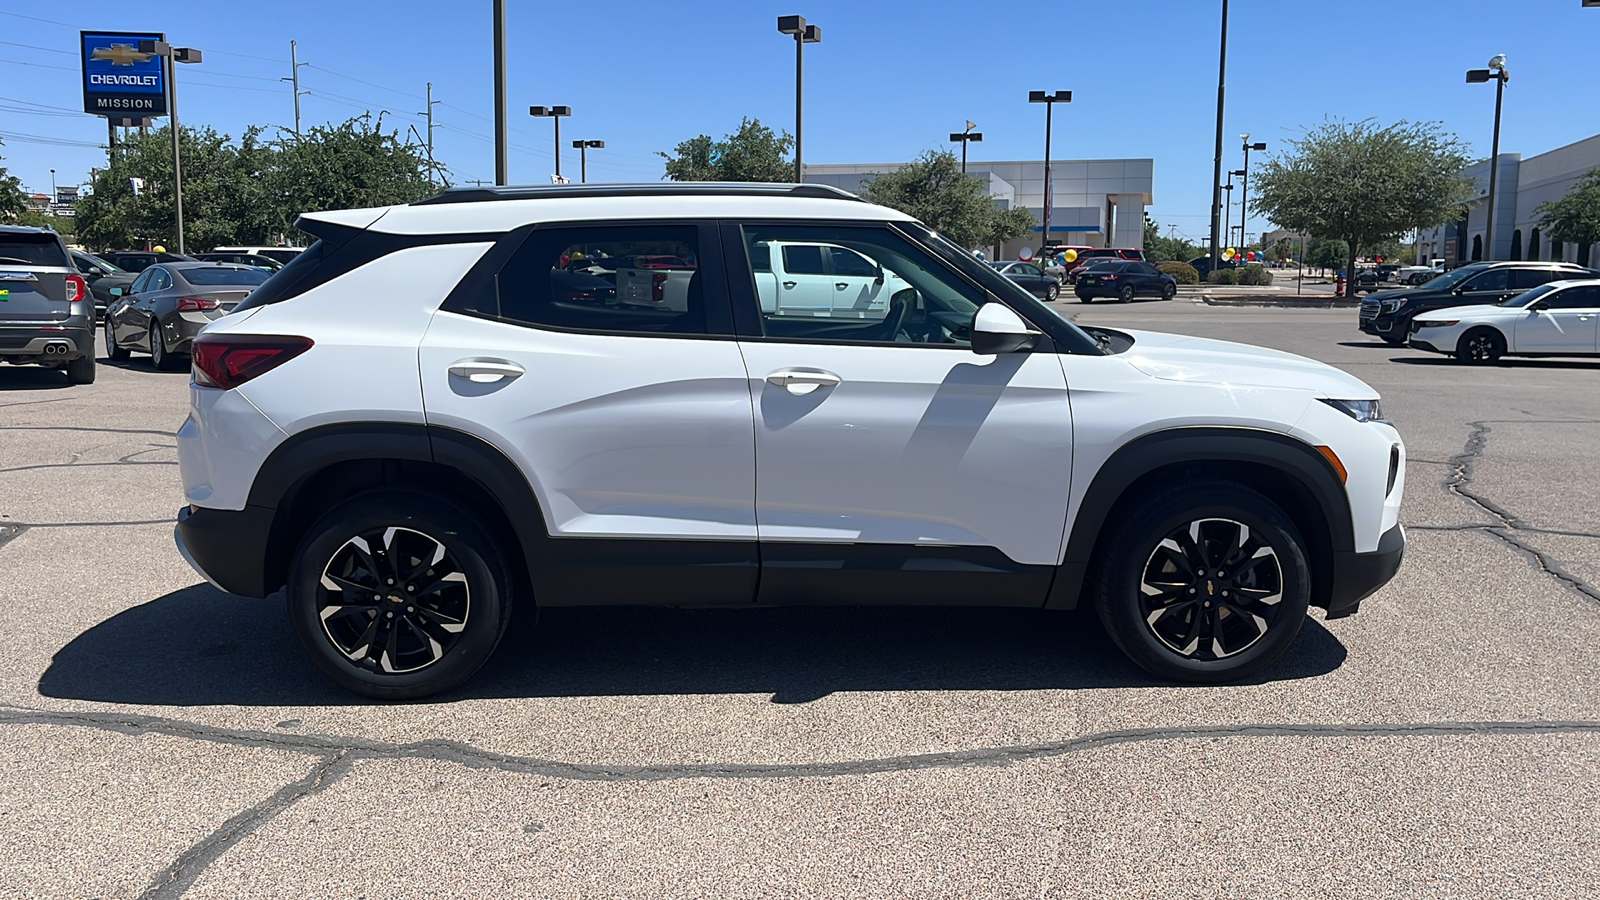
[(228, 548), (39, 343), (1357, 576)]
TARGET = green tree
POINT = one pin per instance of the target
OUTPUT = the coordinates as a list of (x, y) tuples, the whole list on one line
[(13, 199), (1326, 253), (753, 153), (110, 216), (1575, 218), (1157, 247), (346, 166), (1364, 183), (934, 190)]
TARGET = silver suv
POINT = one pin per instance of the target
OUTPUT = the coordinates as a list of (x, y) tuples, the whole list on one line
[(46, 311)]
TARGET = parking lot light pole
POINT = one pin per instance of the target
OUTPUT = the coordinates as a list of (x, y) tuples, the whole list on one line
[(583, 157), (170, 55), (1229, 218), (1049, 100), (502, 137), (1499, 74), (1216, 178), (1227, 212), (803, 34), (1244, 185), (963, 138), (553, 112)]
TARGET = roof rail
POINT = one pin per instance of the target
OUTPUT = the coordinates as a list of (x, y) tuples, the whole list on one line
[(651, 189)]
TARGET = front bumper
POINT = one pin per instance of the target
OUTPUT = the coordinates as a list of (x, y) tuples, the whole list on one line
[(1357, 576), (228, 548)]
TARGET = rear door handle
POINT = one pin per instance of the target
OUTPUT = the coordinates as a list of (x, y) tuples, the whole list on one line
[(788, 284), (802, 381), (841, 285), (485, 371)]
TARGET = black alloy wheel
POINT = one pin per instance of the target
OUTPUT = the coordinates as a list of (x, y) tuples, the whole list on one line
[(1480, 347), (398, 594), (1168, 291), (1126, 293), (113, 352), (1204, 583)]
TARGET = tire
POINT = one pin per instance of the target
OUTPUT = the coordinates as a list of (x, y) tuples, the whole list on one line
[(81, 370), (1394, 340), (440, 647), (1168, 291), (113, 352), (160, 359), (1052, 292), (1125, 295), (1085, 298), (1139, 561), (1481, 346)]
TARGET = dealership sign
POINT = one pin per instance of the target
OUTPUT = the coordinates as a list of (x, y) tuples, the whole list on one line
[(118, 80)]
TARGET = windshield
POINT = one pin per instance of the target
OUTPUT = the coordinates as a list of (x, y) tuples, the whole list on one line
[(1069, 337), (1450, 279), (1526, 297), (90, 259), (225, 275)]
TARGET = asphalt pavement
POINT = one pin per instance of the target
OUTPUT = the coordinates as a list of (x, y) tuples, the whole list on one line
[(160, 738)]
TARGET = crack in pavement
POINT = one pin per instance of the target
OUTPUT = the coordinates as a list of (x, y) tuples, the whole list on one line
[(78, 465), (1463, 467), (193, 862), (87, 428)]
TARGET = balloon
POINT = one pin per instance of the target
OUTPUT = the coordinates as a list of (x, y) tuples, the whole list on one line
[(1229, 253), (160, 249), (1251, 256), (1070, 256)]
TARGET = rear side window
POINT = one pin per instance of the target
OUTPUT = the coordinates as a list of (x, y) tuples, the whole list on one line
[(32, 249), (803, 259), (1586, 296), (623, 289)]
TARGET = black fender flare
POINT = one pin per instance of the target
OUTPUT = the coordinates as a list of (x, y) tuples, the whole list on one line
[(1298, 461)]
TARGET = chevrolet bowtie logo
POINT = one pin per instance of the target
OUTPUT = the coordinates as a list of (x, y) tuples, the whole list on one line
[(120, 54)]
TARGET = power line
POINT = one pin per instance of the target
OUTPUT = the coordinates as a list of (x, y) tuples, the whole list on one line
[(36, 47), (45, 139), (367, 83)]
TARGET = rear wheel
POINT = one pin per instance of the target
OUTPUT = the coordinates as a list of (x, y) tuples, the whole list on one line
[(159, 357), (1126, 293), (1205, 583), (398, 594), (81, 370), (1480, 346), (1085, 298)]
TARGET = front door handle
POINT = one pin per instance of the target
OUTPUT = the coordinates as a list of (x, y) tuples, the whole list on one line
[(485, 371), (788, 284), (841, 285), (802, 381)]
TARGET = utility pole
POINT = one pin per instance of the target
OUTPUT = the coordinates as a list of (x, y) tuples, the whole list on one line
[(294, 80), (502, 134), (1216, 177), (428, 114)]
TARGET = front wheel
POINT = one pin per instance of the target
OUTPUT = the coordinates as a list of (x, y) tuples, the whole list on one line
[(1052, 292), (1168, 291), (1206, 582), (398, 594), (113, 352), (1480, 346)]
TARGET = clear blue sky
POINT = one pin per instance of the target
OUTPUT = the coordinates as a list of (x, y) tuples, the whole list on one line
[(888, 81)]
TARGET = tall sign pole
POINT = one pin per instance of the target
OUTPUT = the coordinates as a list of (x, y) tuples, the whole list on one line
[(1216, 176), (502, 139)]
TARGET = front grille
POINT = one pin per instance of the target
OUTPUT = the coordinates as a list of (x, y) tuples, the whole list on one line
[(1369, 310)]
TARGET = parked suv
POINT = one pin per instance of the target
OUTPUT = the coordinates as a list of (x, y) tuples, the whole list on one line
[(1124, 281), (1388, 314), (46, 311), (413, 428)]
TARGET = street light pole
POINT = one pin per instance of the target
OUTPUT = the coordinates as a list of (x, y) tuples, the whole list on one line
[(1050, 100), (170, 56), (1216, 178), (502, 137), (1499, 73), (803, 34), (553, 112), (963, 138), (1244, 186), (1229, 218), (583, 157)]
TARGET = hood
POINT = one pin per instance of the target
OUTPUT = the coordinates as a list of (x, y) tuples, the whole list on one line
[(1460, 312), (1176, 357), (1393, 293)]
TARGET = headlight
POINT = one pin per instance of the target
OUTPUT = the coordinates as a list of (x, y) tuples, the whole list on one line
[(1439, 324), (1360, 410), (1392, 305)]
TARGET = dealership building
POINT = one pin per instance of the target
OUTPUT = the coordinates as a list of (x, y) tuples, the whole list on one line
[(1523, 185), (1096, 202)]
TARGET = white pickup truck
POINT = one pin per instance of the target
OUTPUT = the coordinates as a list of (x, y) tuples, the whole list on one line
[(798, 279), (1419, 274)]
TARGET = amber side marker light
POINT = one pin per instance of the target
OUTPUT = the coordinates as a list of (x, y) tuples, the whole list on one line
[(1333, 458)]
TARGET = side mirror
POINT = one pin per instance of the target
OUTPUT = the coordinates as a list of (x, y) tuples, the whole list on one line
[(96, 271), (118, 291), (878, 279), (1539, 306), (997, 329)]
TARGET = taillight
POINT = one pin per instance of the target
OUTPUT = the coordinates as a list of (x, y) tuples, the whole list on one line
[(658, 287), (77, 288), (196, 304), (228, 360)]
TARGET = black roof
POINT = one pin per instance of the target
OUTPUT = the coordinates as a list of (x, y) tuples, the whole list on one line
[(653, 189)]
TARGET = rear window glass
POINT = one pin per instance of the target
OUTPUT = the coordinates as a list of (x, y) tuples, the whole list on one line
[(41, 249), (223, 275)]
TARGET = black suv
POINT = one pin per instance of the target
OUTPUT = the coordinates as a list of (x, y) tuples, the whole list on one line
[(1123, 280), (1388, 314), (139, 260)]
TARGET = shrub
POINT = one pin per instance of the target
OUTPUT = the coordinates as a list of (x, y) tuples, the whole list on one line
[(1224, 276), (1254, 275), (1181, 272)]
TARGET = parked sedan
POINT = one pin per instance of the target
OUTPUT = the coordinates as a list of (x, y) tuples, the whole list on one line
[(102, 276), (168, 304), (243, 259), (1124, 280), (1031, 278)]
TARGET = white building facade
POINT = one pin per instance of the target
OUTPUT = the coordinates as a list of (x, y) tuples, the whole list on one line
[(1524, 184), (1096, 202)]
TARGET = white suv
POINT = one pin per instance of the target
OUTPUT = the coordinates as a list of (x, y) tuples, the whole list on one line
[(424, 419)]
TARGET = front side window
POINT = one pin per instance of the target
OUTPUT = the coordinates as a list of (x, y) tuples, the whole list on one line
[(625, 278), (1492, 280), (916, 300), (141, 283)]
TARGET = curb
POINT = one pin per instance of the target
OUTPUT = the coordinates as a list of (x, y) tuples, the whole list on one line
[(1289, 302)]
